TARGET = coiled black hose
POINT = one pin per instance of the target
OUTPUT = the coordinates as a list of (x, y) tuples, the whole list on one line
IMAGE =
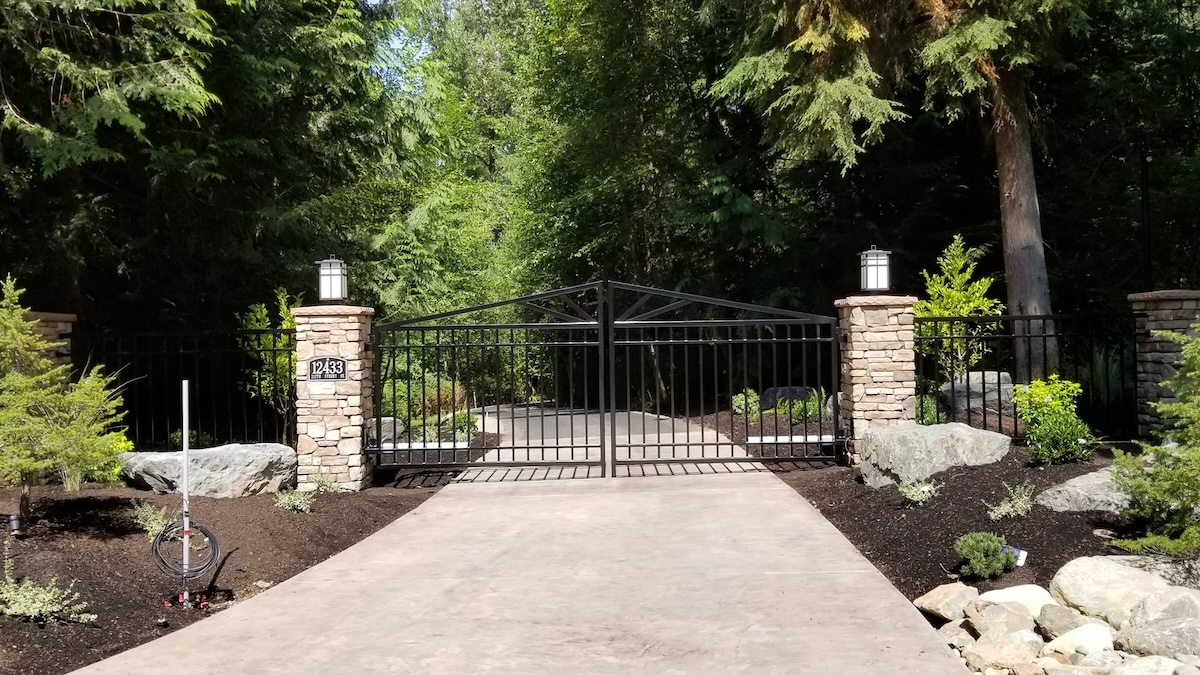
[(167, 551)]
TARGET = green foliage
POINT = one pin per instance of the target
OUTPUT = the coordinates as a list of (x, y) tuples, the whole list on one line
[(271, 362), (1042, 398), (42, 603), (811, 409), (149, 518), (294, 501), (1018, 502), (461, 425), (921, 492), (46, 422), (1059, 437), (196, 439), (1163, 483), (954, 292), (1185, 545), (929, 410), (746, 404), (325, 484), (983, 555)]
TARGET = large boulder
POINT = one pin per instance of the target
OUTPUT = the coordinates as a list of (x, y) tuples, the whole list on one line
[(978, 391), (227, 471), (1164, 637), (1008, 617), (1108, 586), (389, 429), (1172, 602), (912, 452), (1096, 491)]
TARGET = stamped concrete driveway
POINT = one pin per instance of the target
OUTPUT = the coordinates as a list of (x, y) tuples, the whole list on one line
[(679, 574)]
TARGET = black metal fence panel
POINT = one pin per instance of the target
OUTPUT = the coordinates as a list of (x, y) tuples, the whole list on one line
[(967, 368), (603, 375), (242, 384)]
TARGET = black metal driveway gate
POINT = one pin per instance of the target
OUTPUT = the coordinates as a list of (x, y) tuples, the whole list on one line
[(606, 379)]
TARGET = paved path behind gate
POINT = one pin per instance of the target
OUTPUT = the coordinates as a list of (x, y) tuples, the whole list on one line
[(684, 574)]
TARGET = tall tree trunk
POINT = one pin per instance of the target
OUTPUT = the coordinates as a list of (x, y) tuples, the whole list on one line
[(1021, 225)]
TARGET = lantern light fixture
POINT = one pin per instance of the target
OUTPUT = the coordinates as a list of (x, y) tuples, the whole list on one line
[(875, 267), (332, 286)]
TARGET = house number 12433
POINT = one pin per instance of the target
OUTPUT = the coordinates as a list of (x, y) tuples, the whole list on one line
[(327, 368)]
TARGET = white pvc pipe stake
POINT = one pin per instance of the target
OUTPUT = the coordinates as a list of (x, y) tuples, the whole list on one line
[(187, 525)]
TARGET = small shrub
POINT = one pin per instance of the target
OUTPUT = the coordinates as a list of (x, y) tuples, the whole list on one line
[(296, 502), (954, 291), (150, 519), (1045, 397), (1019, 502), (30, 601), (747, 404), (920, 492), (325, 484), (1186, 545), (430, 429), (196, 440), (1058, 437), (929, 410), (983, 555), (811, 409)]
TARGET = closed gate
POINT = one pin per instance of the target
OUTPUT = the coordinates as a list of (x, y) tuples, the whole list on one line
[(606, 379)]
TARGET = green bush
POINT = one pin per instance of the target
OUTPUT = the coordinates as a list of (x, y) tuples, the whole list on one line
[(918, 493), (929, 410), (1045, 397), (811, 409), (296, 502), (983, 555), (1186, 545), (953, 293), (1059, 437), (47, 423), (422, 395), (1163, 483), (325, 484), (430, 430), (746, 404), (30, 601), (196, 440), (1019, 502), (150, 519)]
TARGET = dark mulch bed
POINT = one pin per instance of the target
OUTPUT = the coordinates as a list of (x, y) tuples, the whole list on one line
[(738, 430), (90, 536), (914, 547)]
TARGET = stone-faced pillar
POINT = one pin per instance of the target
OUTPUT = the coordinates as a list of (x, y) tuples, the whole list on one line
[(56, 328), (1157, 357), (334, 394), (879, 362)]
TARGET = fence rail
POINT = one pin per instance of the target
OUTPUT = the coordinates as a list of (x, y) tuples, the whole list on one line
[(967, 367), (242, 383)]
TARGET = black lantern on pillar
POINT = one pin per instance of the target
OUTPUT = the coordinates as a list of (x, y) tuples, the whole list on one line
[(875, 267), (332, 286)]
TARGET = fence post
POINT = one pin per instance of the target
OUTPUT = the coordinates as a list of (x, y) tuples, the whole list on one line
[(332, 405), (879, 362), (1156, 358), (55, 327)]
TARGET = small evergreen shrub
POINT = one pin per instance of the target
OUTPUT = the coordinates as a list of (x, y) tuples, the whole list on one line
[(1019, 502), (983, 555), (296, 502), (747, 404), (953, 292), (150, 519), (196, 440), (919, 493), (30, 601), (1186, 545), (811, 409)]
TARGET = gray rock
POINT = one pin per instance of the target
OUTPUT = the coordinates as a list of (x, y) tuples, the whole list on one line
[(947, 601), (1166, 603), (1003, 618), (1055, 620), (1086, 639), (1106, 586), (1186, 669), (1150, 665), (771, 396), (1187, 659), (1096, 491), (388, 431), (1164, 637), (912, 452), (1006, 651), (1105, 659), (227, 471), (988, 390), (956, 635)]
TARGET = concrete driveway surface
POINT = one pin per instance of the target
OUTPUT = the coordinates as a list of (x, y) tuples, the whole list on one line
[(730, 573)]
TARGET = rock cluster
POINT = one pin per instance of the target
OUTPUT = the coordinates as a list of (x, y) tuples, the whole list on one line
[(1100, 616)]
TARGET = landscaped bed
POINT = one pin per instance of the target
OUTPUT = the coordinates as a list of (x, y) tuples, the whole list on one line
[(91, 536)]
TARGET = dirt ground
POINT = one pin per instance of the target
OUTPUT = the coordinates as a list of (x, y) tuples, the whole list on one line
[(90, 536)]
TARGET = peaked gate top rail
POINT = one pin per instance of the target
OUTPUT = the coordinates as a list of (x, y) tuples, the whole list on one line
[(603, 376)]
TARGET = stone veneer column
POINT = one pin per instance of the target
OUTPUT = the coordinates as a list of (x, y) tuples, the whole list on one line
[(879, 366), (330, 414), (56, 328), (1156, 357)]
